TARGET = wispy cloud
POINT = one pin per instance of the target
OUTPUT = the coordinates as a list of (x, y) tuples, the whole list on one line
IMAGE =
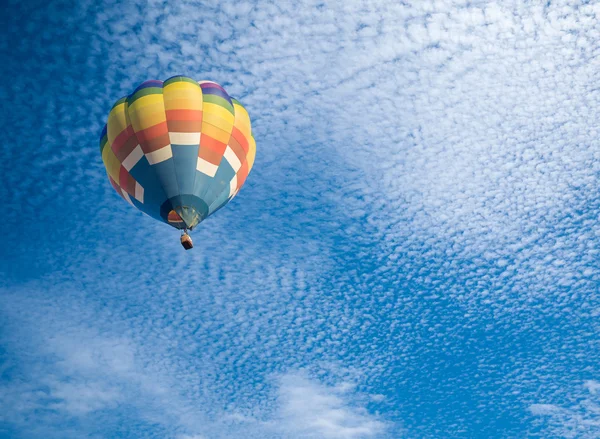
[(78, 371), (312, 410), (421, 221)]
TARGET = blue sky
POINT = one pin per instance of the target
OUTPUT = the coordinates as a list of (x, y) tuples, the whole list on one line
[(414, 254)]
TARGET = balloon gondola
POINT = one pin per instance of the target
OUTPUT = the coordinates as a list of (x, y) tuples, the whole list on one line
[(178, 150), (186, 241)]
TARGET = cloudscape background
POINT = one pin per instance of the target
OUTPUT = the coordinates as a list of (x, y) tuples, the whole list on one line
[(414, 255)]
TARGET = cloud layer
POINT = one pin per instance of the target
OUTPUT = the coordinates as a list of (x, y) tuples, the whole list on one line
[(413, 255)]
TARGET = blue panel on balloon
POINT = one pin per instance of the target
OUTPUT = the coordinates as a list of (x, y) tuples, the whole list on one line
[(185, 158)]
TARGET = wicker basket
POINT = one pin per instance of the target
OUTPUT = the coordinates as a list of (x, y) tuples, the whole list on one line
[(186, 241)]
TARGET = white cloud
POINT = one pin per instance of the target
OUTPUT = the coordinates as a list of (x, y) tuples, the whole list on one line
[(592, 386), (426, 178), (83, 397), (579, 420), (80, 373), (544, 409), (310, 409)]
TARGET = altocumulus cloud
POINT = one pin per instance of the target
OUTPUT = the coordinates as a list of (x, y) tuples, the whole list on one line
[(419, 234), (579, 420), (81, 372)]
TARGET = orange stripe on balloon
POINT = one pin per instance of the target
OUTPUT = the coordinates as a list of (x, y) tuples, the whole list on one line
[(121, 139), (152, 132), (215, 145), (125, 148), (210, 155), (237, 149), (184, 115), (242, 175), (237, 135), (156, 143)]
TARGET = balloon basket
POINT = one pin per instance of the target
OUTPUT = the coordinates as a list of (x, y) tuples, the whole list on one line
[(186, 241)]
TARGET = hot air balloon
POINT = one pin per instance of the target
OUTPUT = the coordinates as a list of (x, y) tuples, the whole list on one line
[(178, 150)]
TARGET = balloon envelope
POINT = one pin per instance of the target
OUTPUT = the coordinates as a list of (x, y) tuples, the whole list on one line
[(178, 150)]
